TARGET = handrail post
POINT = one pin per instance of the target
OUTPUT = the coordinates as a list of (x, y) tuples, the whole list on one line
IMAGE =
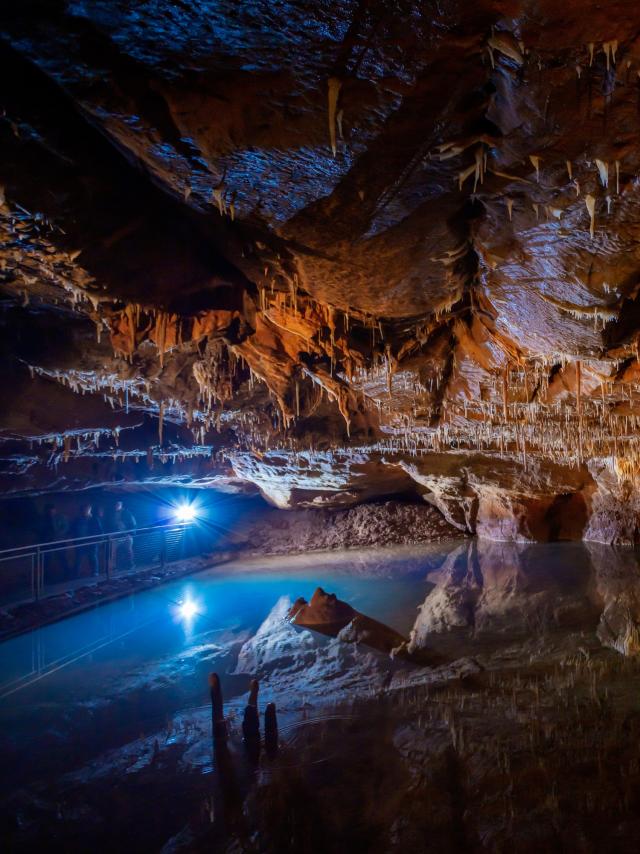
[(39, 573), (36, 555), (107, 556), (34, 587)]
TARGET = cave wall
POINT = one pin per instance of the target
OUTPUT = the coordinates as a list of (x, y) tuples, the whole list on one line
[(326, 253)]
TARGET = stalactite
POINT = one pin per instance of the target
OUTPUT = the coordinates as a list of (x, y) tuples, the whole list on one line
[(462, 176), (603, 170), (479, 168), (590, 202), (160, 422), (535, 162), (610, 49), (334, 85)]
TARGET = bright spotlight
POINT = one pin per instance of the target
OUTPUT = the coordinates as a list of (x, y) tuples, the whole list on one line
[(188, 609), (185, 513)]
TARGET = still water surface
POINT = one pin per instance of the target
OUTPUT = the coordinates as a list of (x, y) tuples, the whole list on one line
[(92, 704)]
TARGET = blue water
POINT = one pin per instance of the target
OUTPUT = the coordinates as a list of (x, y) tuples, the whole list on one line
[(85, 703), (68, 661), (73, 690), (76, 689)]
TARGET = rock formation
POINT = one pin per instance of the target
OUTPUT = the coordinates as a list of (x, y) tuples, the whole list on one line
[(327, 614), (326, 251)]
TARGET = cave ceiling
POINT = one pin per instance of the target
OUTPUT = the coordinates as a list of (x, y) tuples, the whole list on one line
[(318, 249)]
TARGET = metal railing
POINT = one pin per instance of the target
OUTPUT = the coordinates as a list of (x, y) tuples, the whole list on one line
[(29, 573)]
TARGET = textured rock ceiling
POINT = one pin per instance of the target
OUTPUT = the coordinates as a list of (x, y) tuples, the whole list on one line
[(317, 247)]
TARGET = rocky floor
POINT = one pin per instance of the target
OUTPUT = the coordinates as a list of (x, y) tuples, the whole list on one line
[(371, 525)]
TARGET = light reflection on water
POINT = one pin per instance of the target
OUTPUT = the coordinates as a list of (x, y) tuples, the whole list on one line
[(146, 626), (459, 589), (89, 701)]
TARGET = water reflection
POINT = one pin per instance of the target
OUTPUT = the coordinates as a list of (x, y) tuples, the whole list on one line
[(474, 694), (486, 590)]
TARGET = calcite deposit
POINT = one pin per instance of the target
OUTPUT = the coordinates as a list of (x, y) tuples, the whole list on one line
[(329, 251)]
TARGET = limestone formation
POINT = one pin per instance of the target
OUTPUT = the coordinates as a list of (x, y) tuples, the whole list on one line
[(262, 264)]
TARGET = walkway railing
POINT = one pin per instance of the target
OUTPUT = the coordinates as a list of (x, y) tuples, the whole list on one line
[(29, 573)]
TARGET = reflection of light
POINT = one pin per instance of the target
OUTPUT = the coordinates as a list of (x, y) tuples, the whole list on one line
[(188, 609), (186, 513)]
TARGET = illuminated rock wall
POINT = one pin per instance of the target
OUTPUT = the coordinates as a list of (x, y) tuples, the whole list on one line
[(353, 238)]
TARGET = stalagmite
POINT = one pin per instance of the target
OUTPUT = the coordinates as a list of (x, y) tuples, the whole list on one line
[(218, 725), (334, 85), (510, 209), (271, 730), (251, 723)]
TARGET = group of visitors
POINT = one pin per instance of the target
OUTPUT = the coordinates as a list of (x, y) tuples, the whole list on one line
[(89, 559)]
